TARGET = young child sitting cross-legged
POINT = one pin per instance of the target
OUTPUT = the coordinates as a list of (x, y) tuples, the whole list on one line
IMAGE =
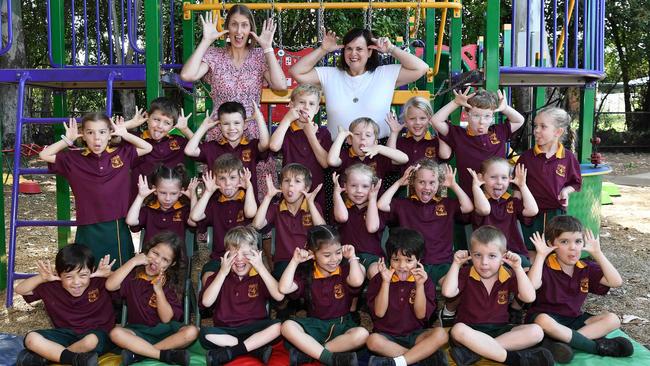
[(484, 290), (563, 281)]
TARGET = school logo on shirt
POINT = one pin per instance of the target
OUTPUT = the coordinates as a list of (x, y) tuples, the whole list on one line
[(510, 207), (306, 220), (246, 155), (173, 145), (240, 216), (93, 295), (338, 291), (252, 290), (584, 285), (494, 140), (441, 210), (153, 302), (116, 162), (502, 297), (560, 170), (430, 152), (412, 297), (177, 216)]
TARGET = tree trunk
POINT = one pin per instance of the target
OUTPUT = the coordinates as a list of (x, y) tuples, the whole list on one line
[(625, 73)]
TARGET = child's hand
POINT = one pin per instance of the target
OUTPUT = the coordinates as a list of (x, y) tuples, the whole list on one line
[(330, 40), (104, 267), (158, 283), (371, 151), (406, 177), (311, 127), (143, 187), (337, 186), (450, 176), (512, 259), (270, 187), (210, 182), (476, 181), (46, 272), (265, 39), (255, 258), (140, 259), (348, 251), (461, 257), (343, 133), (381, 44), (373, 193), (71, 129), (420, 274), (541, 248), (311, 196), (210, 32), (301, 255), (520, 176), (592, 243), (461, 98), (393, 123), (181, 122), (245, 178), (563, 197), (191, 188), (502, 102), (257, 113), (208, 123), (139, 117), (226, 262), (385, 272), (119, 127)]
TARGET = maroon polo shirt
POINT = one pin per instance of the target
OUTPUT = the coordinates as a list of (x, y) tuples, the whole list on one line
[(400, 319), (427, 147), (168, 151), (141, 300), (91, 311), (224, 214), (296, 149), (99, 183), (290, 230), (330, 297), (504, 213), (477, 306), (547, 176), (154, 220), (354, 230), (434, 220), (380, 163), (471, 150), (240, 301), (564, 295)]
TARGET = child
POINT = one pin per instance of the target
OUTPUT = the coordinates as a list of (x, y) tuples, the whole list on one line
[(234, 206), (562, 282), (152, 284), (328, 286), (239, 293), (293, 216), (418, 143), (426, 211), (167, 149), (481, 139), (231, 122), (350, 214), (399, 319), (554, 170), (484, 290), (299, 139), (362, 138), (99, 176), (164, 206), (78, 305), (493, 205)]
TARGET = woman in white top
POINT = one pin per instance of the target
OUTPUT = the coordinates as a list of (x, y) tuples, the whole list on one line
[(358, 86)]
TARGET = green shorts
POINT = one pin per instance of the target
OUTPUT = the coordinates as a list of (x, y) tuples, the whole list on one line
[(66, 337), (570, 322), (213, 265), (538, 225), (406, 341), (157, 333), (437, 271), (493, 330), (366, 259), (278, 269), (324, 330), (241, 332), (111, 237)]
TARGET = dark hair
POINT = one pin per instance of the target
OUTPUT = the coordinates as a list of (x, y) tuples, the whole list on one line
[(176, 271), (165, 106), (98, 117), (74, 257), (245, 11), (227, 163), (408, 242), (163, 172), (562, 224), (484, 99), (321, 234), (297, 169), (487, 234), (231, 107), (354, 33)]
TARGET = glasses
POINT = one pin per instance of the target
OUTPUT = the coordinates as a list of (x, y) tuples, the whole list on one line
[(484, 118)]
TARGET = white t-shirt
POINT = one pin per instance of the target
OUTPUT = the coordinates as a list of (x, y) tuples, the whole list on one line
[(349, 97)]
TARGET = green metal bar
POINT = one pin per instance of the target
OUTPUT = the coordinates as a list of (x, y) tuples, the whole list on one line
[(153, 55), (60, 110), (586, 129), (493, 21), (455, 47)]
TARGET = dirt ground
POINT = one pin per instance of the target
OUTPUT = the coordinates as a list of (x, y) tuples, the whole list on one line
[(625, 226)]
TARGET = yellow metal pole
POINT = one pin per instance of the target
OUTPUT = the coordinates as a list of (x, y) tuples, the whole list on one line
[(561, 40), (441, 32)]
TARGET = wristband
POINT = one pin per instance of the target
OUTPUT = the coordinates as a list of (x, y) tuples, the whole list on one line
[(67, 140), (353, 258), (391, 49), (268, 50)]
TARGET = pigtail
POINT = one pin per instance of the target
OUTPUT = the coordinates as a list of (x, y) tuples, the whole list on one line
[(569, 138)]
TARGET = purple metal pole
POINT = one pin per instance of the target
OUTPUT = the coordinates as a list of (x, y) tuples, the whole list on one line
[(576, 11), (586, 24), (566, 33), (601, 21), (74, 32), (132, 27), (553, 62), (98, 32), (122, 34), (527, 33), (513, 33), (109, 93), (110, 32), (10, 31), (86, 53), (541, 35)]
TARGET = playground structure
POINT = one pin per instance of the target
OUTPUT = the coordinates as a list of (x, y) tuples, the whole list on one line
[(81, 62)]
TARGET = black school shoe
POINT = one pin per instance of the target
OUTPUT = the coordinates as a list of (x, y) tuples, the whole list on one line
[(85, 359), (219, 356), (263, 353), (462, 355), (614, 347), (562, 352), (438, 358), (129, 357), (297, 357), (535, 357), (29, 358), (380, 361), (344, 359)]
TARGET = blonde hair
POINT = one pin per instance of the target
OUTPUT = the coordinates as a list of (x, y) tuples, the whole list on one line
[(419, 103), (241, 235), (489, 234), (364, 121), (561, 119), (362, 169), (487, 163), (309, 89), (429, 164)]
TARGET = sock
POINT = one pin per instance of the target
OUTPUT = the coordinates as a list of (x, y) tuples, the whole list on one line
[(400, 361), (325, 357), (582, 343), (512, 358), (238, 350), (447, 312), (66, 357)]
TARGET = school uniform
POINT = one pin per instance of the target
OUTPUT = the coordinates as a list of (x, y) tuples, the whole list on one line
[(154, 219), (428, 147), (366, 245), (380, 163), (240, 308), (471, 149), (329, 300), (400, 324), (561, 296), (75, 317), (546, 178), (101, 200)]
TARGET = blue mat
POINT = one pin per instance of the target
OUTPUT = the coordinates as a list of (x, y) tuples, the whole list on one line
[(10, 346)]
